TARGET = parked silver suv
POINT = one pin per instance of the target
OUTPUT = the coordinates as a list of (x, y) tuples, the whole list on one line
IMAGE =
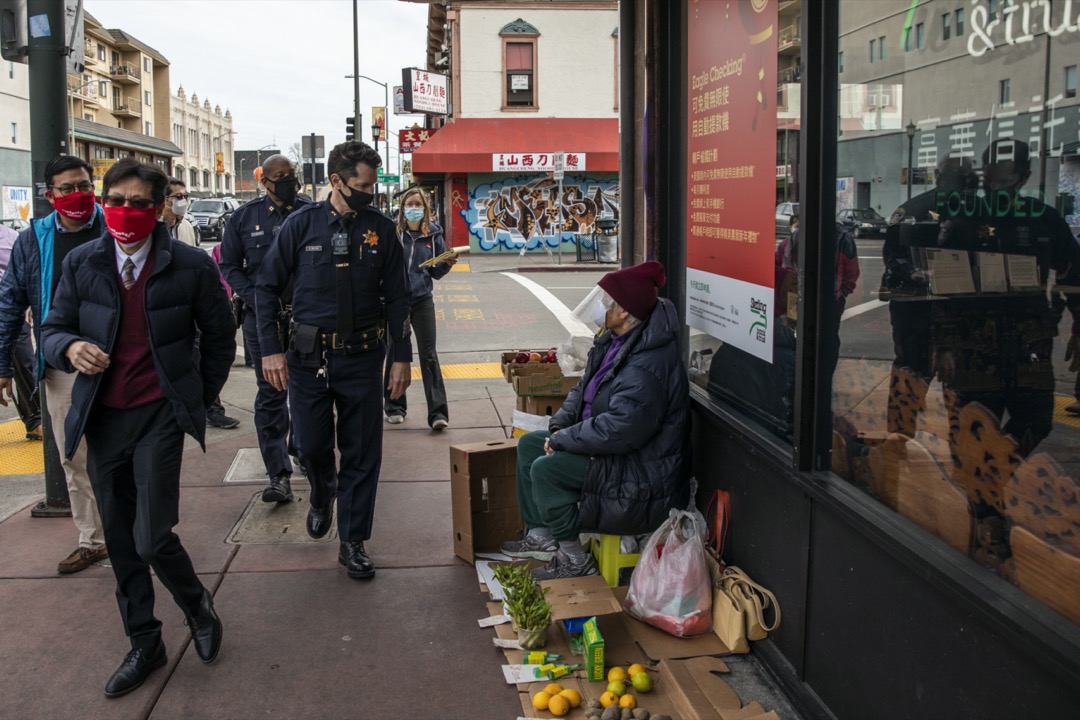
[(209, 216)]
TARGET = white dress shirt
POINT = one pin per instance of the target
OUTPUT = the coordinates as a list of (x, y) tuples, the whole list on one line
[(138, 258)]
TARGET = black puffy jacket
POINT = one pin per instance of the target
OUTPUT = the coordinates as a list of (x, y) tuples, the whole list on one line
[(183, 293), (638, 434)]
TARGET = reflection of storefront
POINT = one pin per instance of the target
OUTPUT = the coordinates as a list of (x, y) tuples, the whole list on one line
[(927, 562)]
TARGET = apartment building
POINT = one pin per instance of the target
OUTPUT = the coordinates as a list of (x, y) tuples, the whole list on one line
[(204, 135), (15, 174)]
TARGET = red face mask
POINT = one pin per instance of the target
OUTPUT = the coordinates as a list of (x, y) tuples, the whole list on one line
[(130, 225), (77, 206)]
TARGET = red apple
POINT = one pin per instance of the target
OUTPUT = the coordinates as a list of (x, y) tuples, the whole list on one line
[(521, 358)]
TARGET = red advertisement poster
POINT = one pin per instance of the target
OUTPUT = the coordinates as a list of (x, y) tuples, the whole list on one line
[(731, 170)]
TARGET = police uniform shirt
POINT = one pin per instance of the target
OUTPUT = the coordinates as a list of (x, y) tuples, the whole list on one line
[(246, 240), (303, 253)]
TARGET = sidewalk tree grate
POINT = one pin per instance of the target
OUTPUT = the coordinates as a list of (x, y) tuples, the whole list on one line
[(19, 456), (276, 523)]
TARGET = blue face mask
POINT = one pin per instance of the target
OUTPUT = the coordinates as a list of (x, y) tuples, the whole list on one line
[(414, 214)]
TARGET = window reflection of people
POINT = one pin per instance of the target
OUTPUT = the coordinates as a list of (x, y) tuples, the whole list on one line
[(995, 348)]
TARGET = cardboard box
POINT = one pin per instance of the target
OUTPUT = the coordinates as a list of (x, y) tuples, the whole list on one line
[(594, 651), (483, 496), (544, 385), (511, 369), (541, 406)]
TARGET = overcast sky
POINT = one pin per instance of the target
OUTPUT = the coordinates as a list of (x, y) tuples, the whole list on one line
[(280, 65)]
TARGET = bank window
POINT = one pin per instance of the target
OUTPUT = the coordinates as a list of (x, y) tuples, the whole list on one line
[(946, 26), (920, 36), (949, 386), (881, 47), (873, 47)]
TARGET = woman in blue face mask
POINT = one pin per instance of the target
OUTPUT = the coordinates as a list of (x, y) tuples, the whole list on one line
[(422, 239)]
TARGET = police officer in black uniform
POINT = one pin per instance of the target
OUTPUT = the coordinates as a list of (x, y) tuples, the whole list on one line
[(345, 262), (244, 245)]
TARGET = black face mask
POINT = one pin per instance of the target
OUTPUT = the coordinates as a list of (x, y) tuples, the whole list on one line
[(356, 200), (285, 189)]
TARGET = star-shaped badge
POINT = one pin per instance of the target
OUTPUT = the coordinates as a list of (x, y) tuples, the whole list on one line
[(370, 238)]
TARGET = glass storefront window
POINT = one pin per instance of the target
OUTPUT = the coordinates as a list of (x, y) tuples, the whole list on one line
[(956, 401)]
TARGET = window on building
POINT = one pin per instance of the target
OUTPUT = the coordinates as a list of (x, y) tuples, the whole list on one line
[(146, 64), (873, 48), (10, 70), (1005, 94), (193, 178), (920, 35), (101, 52), (881, 47), (115, 59), (908, 32), (946, 26), (88, 116), (992, 8), (206, 179), (959, 22), (1070, 81), (146, 97), (14, 133), (840, 61), (149, 128), (519, 40), (103, 89)]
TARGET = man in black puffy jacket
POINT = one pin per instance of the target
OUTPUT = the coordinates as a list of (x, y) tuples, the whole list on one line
[(620, 445)]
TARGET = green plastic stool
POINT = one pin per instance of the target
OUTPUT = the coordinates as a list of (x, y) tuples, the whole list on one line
[(610, 558)]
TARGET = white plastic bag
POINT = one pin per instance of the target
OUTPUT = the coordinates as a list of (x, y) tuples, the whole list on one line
[(671, 588)]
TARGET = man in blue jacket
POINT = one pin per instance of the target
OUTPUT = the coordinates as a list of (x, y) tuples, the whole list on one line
[(616, 458), (125, 318), (30, 282)]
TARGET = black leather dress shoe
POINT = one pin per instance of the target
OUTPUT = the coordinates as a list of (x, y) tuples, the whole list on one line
[(278, 491), (206, 630), (353, 556), (319, 520), (137, 666)]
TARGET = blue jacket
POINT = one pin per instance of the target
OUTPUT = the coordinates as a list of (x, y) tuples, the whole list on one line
[(419, 248), (28, 283), (184, 293), (638, 434)]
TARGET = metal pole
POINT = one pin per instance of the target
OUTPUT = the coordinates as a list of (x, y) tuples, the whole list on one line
[(313, 166), (910, 147), (558, 220), (356, 65), (47, 59)]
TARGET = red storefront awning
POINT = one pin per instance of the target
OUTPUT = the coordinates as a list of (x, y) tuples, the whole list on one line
[(467, 145)]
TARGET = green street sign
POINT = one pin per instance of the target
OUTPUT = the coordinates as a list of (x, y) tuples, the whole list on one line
[(390, 179)]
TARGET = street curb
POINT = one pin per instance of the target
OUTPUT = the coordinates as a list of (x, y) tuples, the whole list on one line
[(597, 267)]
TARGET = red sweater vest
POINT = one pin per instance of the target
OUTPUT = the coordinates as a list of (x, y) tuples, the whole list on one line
[(131, 380)]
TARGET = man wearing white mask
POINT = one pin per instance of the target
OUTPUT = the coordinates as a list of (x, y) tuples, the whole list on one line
[(177, 200)]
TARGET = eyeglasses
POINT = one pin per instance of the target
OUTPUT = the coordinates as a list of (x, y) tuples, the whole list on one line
[(180, 196), (67, 189), (135, 202)]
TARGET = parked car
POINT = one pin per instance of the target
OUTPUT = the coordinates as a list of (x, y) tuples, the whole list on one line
[(784, 213), (863, 222), (209, 216)]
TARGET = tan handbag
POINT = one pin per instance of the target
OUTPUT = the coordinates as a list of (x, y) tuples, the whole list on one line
[(728, 620), (752, 600)]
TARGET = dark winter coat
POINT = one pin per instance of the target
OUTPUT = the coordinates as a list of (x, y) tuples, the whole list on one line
[(420, 248), (183, 293), (638, 435)]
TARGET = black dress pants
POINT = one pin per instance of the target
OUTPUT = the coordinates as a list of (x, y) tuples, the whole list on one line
[(271, 410), (133, 458)]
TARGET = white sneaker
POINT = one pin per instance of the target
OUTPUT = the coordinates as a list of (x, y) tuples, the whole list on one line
[(439, 424), (395, 419)]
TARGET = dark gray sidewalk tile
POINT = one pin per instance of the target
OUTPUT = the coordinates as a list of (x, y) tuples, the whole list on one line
[(414, 455)]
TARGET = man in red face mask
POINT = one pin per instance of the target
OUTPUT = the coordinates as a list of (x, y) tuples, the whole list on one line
[(125, 318), (30, 282)]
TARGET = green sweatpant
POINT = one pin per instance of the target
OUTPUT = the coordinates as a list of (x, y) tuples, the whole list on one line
[(549, 486)]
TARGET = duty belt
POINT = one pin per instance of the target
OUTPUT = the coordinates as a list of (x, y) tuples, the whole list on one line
[(356, 342)]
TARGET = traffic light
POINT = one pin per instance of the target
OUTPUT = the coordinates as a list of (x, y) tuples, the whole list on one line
[(350, 128)]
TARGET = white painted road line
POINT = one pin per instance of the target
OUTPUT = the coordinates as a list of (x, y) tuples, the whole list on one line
[(566, 318), (864, 308)]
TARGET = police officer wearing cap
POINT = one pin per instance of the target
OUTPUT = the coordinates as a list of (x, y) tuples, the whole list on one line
[(244, 245), (345, 262)]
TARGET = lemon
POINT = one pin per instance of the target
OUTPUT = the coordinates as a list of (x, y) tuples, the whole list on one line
[(558, 706), (642, 682), (616, 673), (608, 699), (628, 702), (573, 696), (553, 689), (617, 688), (635, 669), (541, 700)]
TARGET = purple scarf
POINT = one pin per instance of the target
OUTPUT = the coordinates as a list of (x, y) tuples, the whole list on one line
[(609, 359)]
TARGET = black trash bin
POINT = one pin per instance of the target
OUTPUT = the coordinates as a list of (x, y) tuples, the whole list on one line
[(607, 240)]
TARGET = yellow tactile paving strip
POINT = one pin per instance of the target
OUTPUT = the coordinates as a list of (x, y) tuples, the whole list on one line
[(461, 267), (1060, 416), (19, 456), (467, 371)]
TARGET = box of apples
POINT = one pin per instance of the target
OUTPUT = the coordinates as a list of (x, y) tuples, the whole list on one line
[(527, 362)]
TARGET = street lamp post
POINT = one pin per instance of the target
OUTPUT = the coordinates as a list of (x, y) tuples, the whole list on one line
[(258, 163), (71, 114), (376, 132), (910, 129), (240, 176), (213, 144)]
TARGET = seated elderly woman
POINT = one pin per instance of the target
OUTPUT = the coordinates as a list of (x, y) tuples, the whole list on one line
[(620, 445)]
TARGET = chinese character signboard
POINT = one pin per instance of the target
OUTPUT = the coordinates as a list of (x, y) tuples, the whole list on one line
[(536, 162), (426, 92), (731, 173), (412, 139)]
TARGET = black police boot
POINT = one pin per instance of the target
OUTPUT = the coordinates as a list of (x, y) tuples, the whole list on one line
[(355, 559), (206, 629), (279, 490), (319, 520), (137, 666)]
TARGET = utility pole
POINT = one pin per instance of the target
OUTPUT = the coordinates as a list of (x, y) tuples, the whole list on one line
[(47, 59), (356, 67)]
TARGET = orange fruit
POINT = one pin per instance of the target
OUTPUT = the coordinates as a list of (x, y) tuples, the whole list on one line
[(628, 702), (573, 696), (558, 705), (607, 699), (553, 689), (635, 669), (616, 673), (540, 700)]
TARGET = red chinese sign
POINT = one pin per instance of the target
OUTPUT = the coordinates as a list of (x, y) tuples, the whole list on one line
[(412, 139), (426, 92), (543, 162)]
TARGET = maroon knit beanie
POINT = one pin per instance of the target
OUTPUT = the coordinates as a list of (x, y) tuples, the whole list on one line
[(634, 288)]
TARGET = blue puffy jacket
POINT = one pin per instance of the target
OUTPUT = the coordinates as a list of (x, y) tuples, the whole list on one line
[(418, 248), (638, 434)]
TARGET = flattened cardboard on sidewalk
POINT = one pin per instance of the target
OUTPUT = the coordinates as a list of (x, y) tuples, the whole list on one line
[(483, 496), (658, 645), (580, 597)]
